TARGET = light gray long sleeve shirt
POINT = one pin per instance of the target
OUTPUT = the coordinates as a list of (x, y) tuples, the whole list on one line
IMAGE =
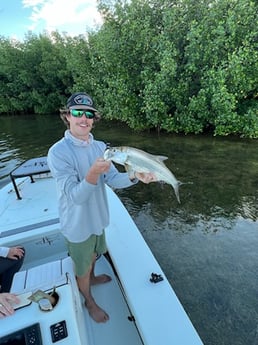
[(4, 251), (83, 207)]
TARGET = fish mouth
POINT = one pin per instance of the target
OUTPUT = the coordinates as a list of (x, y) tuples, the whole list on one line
[(107, 155)]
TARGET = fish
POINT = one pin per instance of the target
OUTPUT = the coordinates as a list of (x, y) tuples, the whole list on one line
[(136, 160)]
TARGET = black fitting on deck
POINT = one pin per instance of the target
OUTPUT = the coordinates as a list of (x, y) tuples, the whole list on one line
[(156, 278)]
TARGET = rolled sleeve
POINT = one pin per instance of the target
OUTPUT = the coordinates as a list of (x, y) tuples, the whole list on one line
[(4, 251)]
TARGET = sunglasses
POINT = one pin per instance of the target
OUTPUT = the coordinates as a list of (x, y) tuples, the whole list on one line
[(80, 113)]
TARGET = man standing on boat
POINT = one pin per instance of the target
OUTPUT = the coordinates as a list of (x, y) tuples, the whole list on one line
[(76, 162)]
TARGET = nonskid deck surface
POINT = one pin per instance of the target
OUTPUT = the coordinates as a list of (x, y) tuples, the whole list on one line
[(119, 329), (37, 207)]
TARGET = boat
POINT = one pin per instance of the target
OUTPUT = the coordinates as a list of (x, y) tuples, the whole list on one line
[(141, 303)]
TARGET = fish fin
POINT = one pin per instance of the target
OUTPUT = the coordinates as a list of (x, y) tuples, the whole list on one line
[(162, 158), (158, 158), (176, 188), (129, 170), (127, 167), (180, 183)]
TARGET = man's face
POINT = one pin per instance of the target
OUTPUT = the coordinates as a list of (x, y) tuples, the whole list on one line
[(80, 127)]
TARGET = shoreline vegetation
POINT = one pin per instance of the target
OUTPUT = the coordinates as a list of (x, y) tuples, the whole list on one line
[(186, 68)]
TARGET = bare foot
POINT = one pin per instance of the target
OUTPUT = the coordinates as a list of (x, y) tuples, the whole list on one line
[(101, 279), (98, 314)]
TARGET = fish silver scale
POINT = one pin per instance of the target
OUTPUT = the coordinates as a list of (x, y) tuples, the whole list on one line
[(136, 160)]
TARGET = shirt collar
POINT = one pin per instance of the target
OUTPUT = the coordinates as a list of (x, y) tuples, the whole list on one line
[(78, 142)]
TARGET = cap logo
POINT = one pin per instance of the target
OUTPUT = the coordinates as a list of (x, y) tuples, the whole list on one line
[(82, 100)]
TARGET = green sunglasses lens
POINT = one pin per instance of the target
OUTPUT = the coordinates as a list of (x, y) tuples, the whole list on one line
[(80, 113), (77, 113), (89, 114)]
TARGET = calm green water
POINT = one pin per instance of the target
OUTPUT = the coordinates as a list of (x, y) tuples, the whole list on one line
[(207, 245)]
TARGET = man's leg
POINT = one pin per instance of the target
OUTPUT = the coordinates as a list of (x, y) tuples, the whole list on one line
[(100, 279), (84, 282)]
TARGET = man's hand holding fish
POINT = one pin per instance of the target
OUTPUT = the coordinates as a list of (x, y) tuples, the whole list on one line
[(100, 166), (145, 177)]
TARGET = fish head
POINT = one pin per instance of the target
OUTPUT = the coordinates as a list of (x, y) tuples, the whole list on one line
[(116, 154)]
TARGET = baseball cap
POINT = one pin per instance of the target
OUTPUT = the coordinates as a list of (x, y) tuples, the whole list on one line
[(80, 100)]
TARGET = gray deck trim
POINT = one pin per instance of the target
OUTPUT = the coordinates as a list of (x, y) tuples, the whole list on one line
[(29, 227)]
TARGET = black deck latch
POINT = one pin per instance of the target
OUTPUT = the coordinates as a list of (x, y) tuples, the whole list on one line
[(156, 278)]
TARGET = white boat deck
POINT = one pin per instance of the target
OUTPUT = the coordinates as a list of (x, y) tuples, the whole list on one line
[(37, 208)]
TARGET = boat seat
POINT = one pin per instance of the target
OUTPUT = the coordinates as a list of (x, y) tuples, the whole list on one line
[(43, 277)]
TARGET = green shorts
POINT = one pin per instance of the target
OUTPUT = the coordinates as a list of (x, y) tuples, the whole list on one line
[(82, 252)]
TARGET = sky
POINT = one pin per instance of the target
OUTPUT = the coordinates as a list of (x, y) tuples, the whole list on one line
[(74, 17)]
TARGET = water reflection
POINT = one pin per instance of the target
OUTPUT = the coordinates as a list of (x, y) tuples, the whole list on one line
[(207, 245), (23, 137), (8, 155)]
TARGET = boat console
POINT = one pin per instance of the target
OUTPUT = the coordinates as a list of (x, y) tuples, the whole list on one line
[(34, 325), (27, 336)]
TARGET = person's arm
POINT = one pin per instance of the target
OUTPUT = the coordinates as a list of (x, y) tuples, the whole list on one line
[(6, 301), (12, 253), (69, 179), (15, 253), (4, 251)]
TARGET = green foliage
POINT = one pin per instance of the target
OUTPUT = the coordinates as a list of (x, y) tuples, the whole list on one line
[(34, 77), (185, 67)]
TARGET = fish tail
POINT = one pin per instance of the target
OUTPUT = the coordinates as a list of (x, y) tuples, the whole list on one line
[(176, 189)]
